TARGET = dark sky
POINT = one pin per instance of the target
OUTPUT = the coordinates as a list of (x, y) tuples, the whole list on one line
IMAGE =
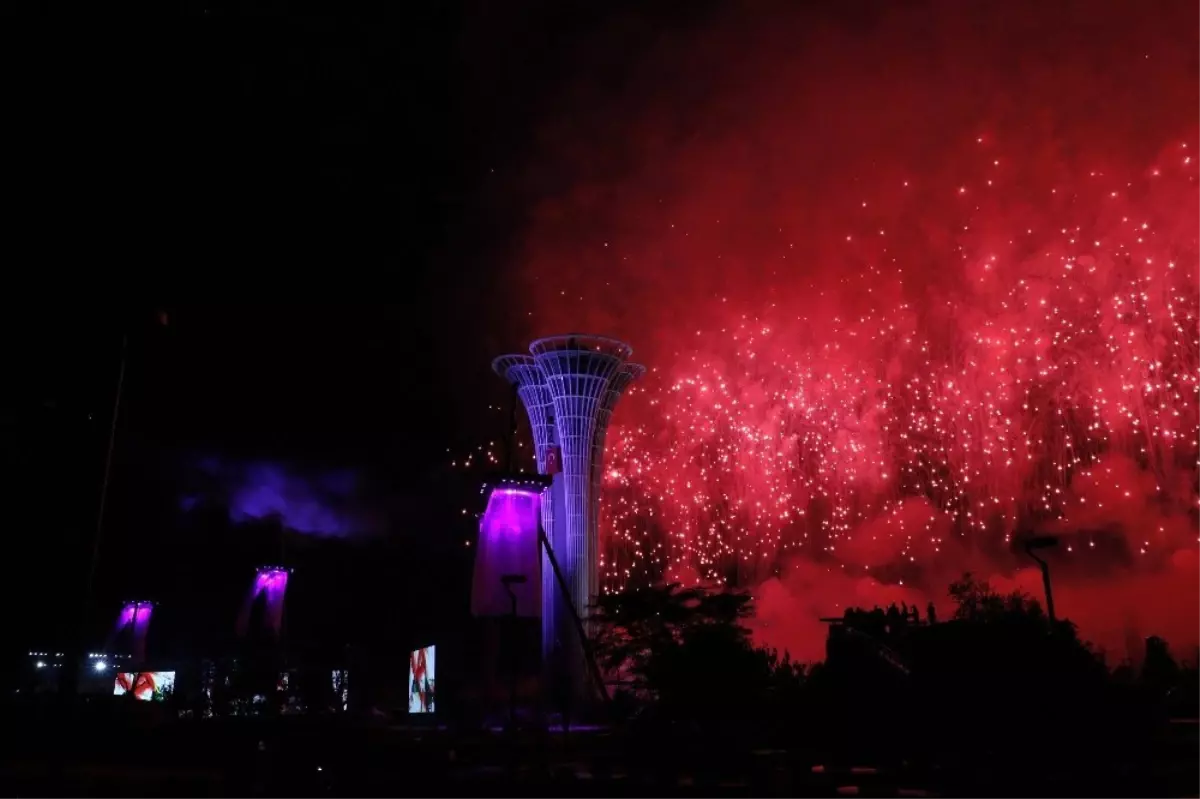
[(318, 202)]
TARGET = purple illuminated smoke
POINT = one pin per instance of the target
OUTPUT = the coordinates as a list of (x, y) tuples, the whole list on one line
[(322, 503), (306, 505), (270, 583)]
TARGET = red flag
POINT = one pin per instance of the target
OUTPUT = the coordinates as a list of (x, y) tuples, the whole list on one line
[(554, 460)]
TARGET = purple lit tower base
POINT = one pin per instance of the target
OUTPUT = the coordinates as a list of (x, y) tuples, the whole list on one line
[(270, 582), (569, 386), (507, 573), (133, 619), (506, 595)]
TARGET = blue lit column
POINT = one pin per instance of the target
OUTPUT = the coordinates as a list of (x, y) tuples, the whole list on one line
[(569, 388), (523, 372), (578, 372)]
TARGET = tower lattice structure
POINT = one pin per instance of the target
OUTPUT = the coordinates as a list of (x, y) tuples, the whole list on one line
[(523, 372), (569, 387)]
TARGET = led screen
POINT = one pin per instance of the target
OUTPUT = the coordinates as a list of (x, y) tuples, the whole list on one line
[(420, 680), (146, 685), (341, 688)]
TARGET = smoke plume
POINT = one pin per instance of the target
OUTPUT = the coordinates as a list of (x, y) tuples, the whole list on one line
[(321, 503), (915, 281)]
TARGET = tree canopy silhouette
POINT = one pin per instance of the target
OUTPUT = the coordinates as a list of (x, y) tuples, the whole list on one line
[(686, 653)]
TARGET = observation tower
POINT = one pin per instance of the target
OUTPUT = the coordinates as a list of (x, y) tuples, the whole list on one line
[(569, 386)]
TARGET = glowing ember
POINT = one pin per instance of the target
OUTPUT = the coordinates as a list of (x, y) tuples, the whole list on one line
[(907, 291), (878, 438)]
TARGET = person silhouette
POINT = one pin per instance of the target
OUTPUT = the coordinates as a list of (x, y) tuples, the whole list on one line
[(878, 621), (931, 613), (893, 618)]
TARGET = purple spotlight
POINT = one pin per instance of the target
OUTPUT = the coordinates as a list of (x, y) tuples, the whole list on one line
[(135, 617), (271, 583), (508, 546)]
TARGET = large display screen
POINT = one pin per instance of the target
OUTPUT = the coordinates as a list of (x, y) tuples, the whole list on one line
[(341, 688), (421, 680), (146, 685)]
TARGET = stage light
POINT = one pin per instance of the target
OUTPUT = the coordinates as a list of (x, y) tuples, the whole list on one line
[(100, 665), (41, 664)]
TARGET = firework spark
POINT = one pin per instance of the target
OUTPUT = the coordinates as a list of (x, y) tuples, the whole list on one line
[(871, 440), (911, 283)]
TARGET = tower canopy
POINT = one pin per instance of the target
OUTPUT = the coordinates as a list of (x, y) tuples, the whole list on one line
[(582, 341)]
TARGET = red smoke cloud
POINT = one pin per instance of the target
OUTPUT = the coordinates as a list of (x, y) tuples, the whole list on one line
[(913, 281)]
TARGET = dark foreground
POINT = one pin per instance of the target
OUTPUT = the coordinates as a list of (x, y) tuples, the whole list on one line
[(115, 752)]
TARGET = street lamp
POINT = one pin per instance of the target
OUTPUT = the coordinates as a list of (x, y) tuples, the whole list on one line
[(508, 581), (1043, 542)]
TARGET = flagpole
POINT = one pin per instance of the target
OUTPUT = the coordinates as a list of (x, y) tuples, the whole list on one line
[(108, 458)]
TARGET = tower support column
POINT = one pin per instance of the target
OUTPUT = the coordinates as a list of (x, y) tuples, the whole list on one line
[(569, 386)]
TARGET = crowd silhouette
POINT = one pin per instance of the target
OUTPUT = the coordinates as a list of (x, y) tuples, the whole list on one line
[(889, 621)]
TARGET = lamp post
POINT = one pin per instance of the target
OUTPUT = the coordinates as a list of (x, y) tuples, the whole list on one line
[(70, 676), (508, 581), (1032, 545)]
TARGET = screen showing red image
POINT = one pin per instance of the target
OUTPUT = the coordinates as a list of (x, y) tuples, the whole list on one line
[(420, 680), (146, 685)]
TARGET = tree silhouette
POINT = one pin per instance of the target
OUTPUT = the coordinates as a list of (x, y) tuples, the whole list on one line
[(686, 654), (975, 601), (1000, 676), (1160, 672), (999, 695)]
